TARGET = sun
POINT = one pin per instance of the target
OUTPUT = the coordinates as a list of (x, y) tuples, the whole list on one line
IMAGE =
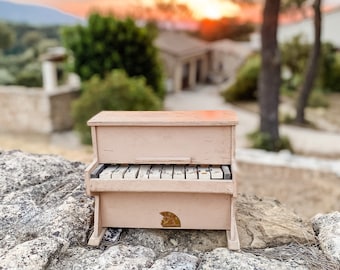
[(213, 9), (212, 12)]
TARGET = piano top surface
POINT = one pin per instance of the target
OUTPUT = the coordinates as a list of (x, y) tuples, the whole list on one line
[(164, 118)]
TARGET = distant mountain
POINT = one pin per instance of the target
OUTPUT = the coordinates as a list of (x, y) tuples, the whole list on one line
[(35, 15)]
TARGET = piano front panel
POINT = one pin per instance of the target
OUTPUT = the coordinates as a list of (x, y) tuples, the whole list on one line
[(164, 145), (145, 210)]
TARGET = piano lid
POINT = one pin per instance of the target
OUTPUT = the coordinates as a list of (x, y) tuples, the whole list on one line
[(164, 118)]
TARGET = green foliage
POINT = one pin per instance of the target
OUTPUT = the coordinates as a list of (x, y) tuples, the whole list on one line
[(30, 76), (330, 79), (245, 85), (7, 36), (6, 77), (31, 38), (107, 43), (317, 99), (116, 92), (295, 55), (262, 141), (22, 30)]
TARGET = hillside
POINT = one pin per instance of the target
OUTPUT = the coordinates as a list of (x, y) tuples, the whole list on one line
[(34, 14)]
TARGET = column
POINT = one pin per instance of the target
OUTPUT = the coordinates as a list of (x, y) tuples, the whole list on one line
[(178, 77), (49, 75)]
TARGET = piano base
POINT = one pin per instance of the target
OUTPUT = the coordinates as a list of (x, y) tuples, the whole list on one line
[(165, 210), (95, 238)]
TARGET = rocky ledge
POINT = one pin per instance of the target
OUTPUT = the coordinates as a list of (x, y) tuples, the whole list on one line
[(46, 220)]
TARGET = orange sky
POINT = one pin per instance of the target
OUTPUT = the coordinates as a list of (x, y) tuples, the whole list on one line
[(201, 8), (212, 9)]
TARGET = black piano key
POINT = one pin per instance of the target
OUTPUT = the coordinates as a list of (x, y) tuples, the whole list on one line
[(95, 173)]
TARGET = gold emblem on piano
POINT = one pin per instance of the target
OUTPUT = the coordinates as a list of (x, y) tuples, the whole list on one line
[(170, 220)]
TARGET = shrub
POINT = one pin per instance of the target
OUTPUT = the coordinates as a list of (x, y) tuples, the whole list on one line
[(106, 43), (245, 85), (317, 99), (6, 77), (115, 92), (261, 140), (30, 76)]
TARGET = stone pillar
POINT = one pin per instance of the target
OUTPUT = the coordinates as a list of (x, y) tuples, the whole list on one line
[(192, 73), (178, 77), (49, 75)]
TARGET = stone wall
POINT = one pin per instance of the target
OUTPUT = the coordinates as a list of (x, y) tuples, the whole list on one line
[(34, 110)]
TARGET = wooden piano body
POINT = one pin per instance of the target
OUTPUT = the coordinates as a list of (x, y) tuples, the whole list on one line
[(163, 170)]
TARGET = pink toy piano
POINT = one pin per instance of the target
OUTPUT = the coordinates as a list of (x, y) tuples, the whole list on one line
[(163, 169)]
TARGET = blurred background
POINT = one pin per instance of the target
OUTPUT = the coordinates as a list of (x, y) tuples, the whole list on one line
[(276, 63)]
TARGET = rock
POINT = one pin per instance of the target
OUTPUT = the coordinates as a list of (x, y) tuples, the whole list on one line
[(34, 254), (327, 229), (42, 196), (266, 223), (115, 257), (124, 257), (165, 241), (223, 259), (46, 220), (176, 261)]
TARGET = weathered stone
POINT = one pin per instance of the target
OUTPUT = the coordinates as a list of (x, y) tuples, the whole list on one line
[(327, 229), (42, 196), (165, 241), (223, 259), (76, 258), (46, 219), (34, 254), (176, 261), (125, 257), (267, 223)]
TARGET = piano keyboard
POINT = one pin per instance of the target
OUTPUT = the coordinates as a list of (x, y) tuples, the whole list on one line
[(176, 172)]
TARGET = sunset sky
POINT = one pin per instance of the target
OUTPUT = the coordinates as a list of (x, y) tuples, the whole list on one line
[(212, 9), (200, 8)]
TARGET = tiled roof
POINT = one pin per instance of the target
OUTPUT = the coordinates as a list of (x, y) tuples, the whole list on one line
[(180, 44)]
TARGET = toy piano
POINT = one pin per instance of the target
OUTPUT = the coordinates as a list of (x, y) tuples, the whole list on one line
[(163, 169)]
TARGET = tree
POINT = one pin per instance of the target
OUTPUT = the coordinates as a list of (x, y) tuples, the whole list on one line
[(115, 92), (270, 74), (7, 36), (311, 67), (31, 39), (106, 43)]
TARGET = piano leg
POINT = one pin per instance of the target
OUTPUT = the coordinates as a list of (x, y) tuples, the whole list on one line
[(232, 235), (98, 231)]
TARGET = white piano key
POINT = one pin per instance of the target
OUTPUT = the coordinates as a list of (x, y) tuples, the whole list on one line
[(119, 172), (143, 172), (131, 172), (155, 172), (107, 172), (226, 172), (167, 171), (178, 172), (191, 172), (204, 173), (216, 172)]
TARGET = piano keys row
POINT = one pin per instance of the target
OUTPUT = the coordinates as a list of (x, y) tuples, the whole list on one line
[(179, 172)]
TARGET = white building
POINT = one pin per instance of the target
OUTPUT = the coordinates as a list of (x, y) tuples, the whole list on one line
[(330, 31)]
